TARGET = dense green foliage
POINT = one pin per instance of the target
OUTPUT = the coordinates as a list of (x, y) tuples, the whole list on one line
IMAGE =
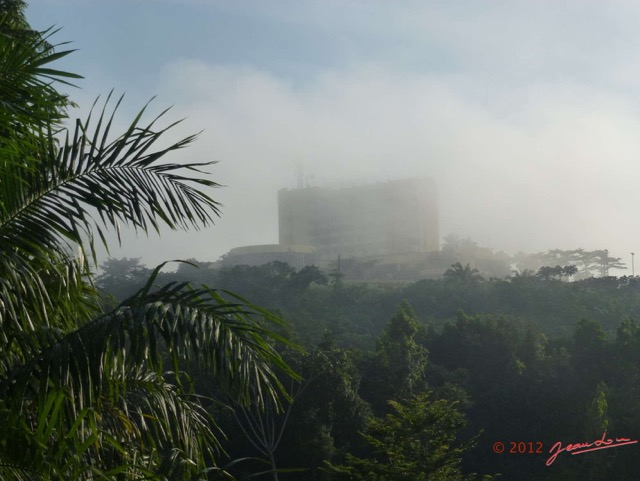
[(357, 312), (414, 443), (87, 393), (400, 381), (526, 359)]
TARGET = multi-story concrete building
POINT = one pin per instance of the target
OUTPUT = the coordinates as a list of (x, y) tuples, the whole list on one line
[(396, 217)]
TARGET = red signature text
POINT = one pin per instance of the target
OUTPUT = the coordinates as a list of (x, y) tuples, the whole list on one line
[(580, 448)]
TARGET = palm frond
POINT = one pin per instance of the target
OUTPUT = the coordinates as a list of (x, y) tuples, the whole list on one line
[(137, 422), (28, 98), (116, 362), (118, 180), (197, 326), (18, 473), (38, 298), (86, 397), (57, 199)]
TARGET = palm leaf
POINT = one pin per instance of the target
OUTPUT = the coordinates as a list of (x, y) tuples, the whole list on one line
[(61, 197), (117, 362), (118, 180), (92, 399), (28, 98), (18, 473)]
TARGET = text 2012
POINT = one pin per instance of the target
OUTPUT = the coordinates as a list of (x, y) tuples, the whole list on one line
[(518, 447)]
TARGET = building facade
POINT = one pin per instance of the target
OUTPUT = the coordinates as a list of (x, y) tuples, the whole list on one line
[(396, 217)]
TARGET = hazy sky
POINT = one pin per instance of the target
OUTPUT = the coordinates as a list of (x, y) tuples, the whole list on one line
[(526, 113)]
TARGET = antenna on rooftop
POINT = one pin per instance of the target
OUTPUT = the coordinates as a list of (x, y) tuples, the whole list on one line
[(299, 175)]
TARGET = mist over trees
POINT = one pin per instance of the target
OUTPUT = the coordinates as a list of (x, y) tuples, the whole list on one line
[(421, 370), (578, 263), (530, 359)]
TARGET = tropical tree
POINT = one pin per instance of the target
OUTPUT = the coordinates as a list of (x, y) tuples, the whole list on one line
[(121, 278), (86, 394), (462, 274), (557, 272), (416, 442), (397, 370)]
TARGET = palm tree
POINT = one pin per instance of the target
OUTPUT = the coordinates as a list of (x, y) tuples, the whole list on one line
[(462, 274), (86, 394)]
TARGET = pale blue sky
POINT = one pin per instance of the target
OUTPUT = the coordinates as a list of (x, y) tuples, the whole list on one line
[(527, 113)]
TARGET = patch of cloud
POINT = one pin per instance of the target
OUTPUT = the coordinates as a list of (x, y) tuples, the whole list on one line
[(557, 172), (525, 113)]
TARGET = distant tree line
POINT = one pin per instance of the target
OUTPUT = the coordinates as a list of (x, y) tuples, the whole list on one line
[(420, 380), (487, 262)]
